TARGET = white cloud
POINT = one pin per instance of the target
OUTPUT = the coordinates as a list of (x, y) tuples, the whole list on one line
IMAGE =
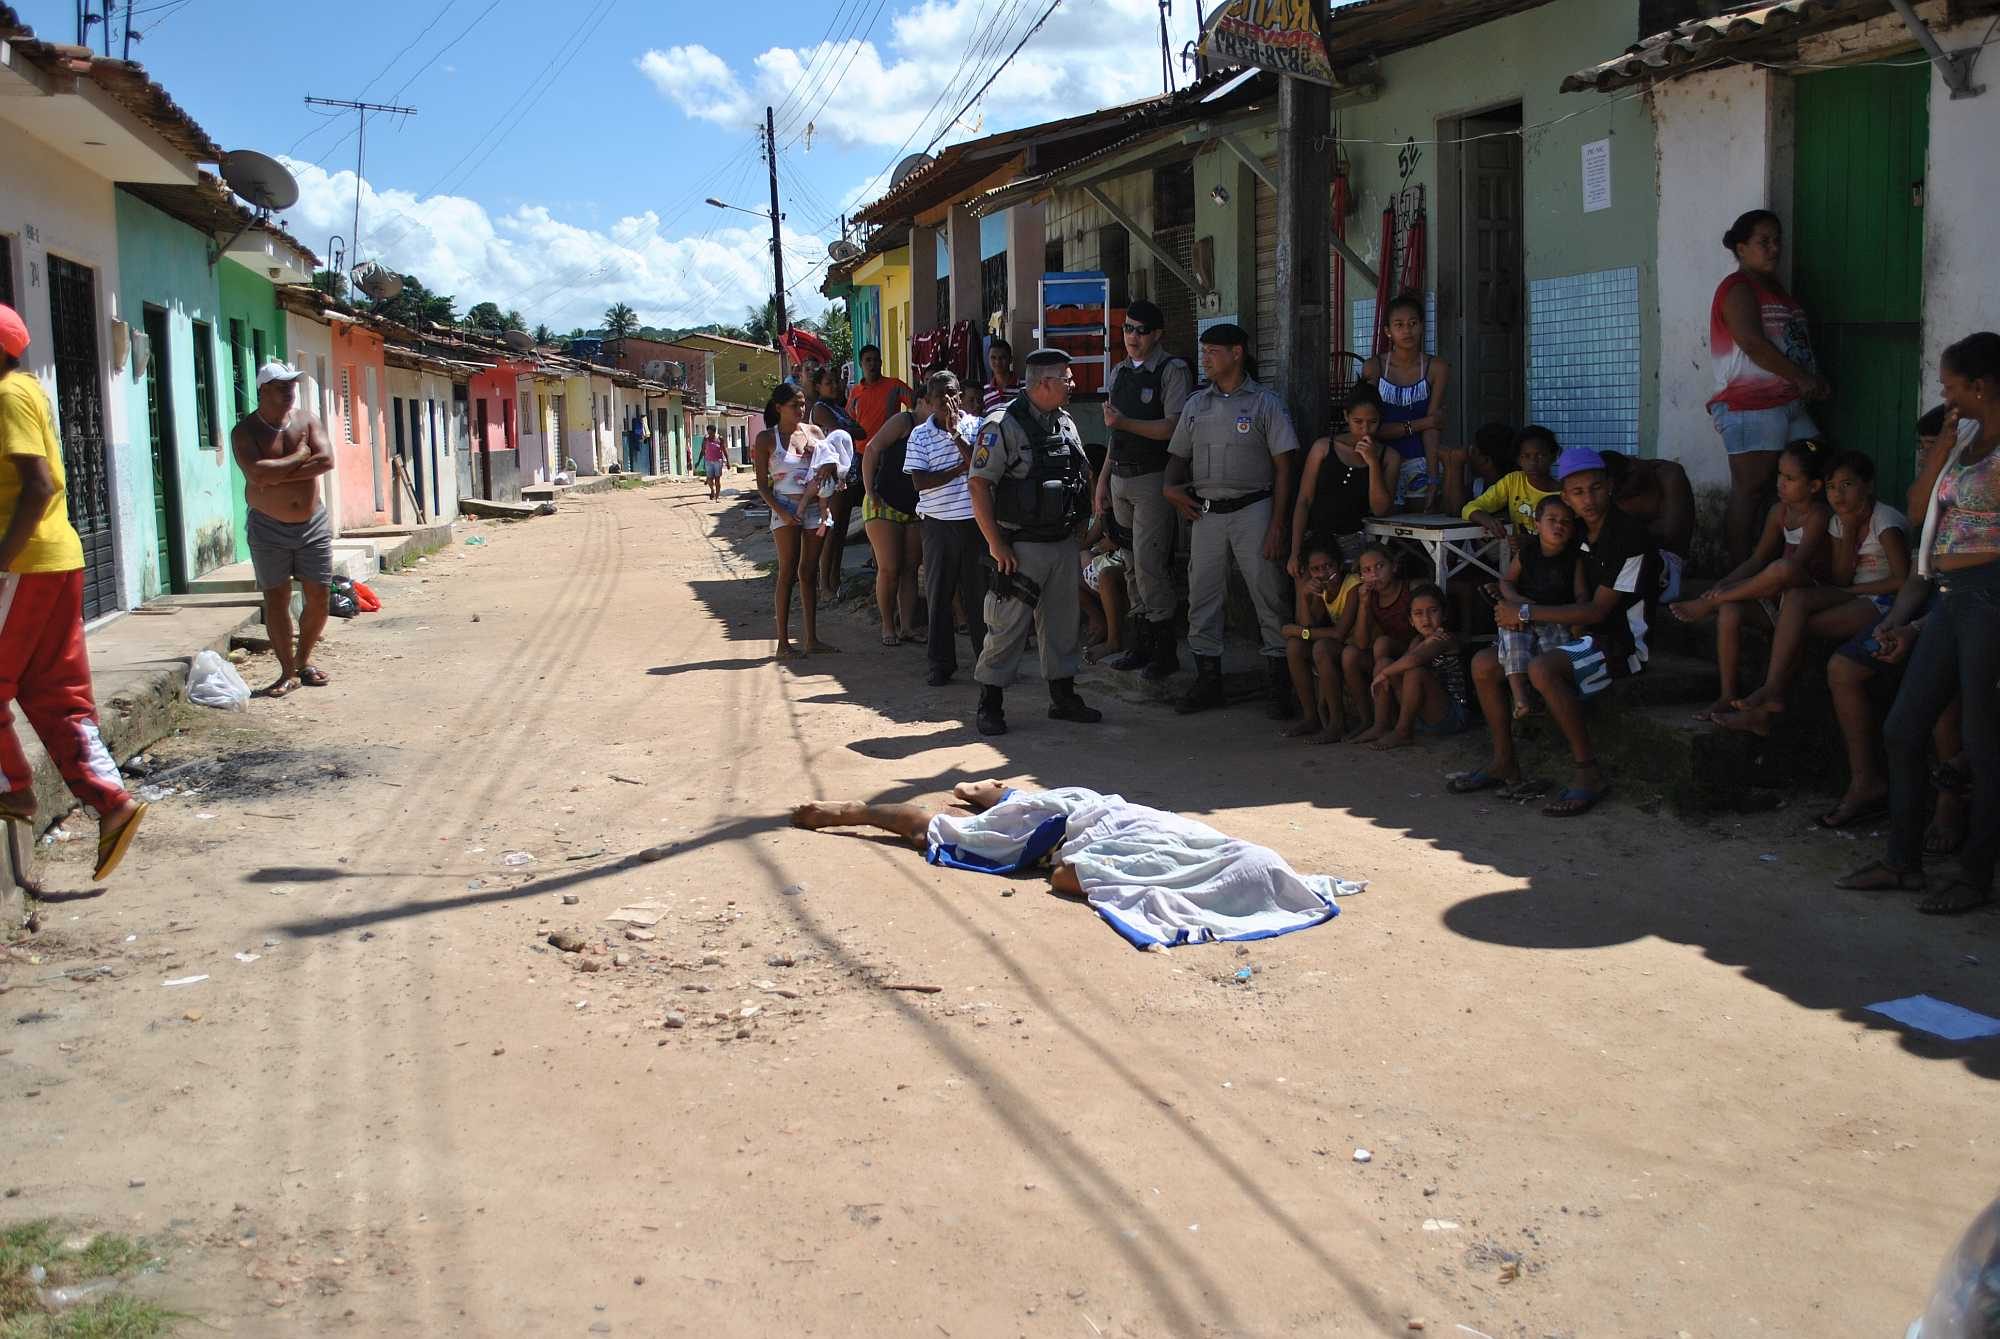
[(558, 272), (699, 82)]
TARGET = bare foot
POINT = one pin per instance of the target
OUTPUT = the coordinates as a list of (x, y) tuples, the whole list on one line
[(1689, 611), (1523, 709), (1300, 729), (1368, 735), (785, 650), (1716, 708), (818, 647), (1395, 739), (287, 684), (1101, 650), (1752, 721), (812, 815)]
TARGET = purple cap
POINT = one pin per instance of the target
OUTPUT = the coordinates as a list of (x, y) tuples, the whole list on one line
[(1576, 460)]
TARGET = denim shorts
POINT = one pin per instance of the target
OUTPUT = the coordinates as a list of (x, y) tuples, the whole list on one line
[(1457, 718), (1749, 430)]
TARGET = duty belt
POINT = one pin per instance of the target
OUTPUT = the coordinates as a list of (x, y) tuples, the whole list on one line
[(1129, 469), (1222, 506)]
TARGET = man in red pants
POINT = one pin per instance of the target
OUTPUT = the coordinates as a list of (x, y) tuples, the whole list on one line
[(42, 658)]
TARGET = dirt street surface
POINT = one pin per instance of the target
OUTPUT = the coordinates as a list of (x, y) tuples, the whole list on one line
[(1614, 1074)]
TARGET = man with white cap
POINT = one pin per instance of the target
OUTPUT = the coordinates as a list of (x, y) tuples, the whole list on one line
[(43, 661), (282, 454)]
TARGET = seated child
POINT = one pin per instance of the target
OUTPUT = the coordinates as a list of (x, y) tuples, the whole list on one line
[(1425, 687), (1508, 507), (1491, 455), (1382, 628), (1791, 551), (1870, 558), (1107, 557), (1548, 571), (1326, 613)]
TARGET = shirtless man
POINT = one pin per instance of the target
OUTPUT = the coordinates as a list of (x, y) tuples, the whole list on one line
[(1656, 492), (282, 452)]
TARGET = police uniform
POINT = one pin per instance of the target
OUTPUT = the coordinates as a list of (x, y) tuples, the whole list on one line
[(1041, 481), (1147, 392), (1230, 441)]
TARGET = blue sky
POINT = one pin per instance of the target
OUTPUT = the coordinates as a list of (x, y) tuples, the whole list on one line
[(560, 154)]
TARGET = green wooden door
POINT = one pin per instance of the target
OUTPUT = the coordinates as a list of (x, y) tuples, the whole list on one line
[(1857, 244)]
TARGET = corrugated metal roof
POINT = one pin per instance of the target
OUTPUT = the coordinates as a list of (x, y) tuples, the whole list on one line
[(1768, 30), (1368, 29)]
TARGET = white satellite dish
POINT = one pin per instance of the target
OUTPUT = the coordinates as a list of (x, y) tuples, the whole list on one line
[(841, 250), (378, 281), (906, 167), (261, 180), (520, 341)]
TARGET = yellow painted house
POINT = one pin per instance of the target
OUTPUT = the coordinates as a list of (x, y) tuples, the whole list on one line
[(890, 272), (745, 373)]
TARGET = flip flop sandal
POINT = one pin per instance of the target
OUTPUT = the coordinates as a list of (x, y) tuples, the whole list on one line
[(1471, 783), (112, 846), (1879, 876), (1954, 898), (313, 677), (891, 639), (1866, 814), (1574, 802), (1526, 789)]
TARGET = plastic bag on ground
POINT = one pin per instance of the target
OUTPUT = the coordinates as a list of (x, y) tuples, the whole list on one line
[(214, 682)]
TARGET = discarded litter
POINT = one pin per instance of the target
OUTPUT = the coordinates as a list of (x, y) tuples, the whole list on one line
[(644, 914), (1440, 1225), (474, 541), (1938, 1017), (186, 980), (1363, 1155), (1768, 858), (1243, 973), (517, 858), (75, 1294), (247, 956), (792, 889), (1349, 887), (214, 682)]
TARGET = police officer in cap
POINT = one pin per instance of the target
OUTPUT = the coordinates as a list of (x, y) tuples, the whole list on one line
[(1231, 475), (1030, 483), (1147, 394)]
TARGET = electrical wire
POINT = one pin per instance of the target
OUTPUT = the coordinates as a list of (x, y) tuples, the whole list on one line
[(408, 47), (789, 107), (858, 40), (440, 53)]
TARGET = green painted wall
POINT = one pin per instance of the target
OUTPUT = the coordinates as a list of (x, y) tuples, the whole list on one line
[(1522, 59), (247, 297), (163, 263)]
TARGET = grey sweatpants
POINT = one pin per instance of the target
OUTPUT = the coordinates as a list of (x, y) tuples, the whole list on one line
[(1218, 536), (1053, 567), (1137, 504)]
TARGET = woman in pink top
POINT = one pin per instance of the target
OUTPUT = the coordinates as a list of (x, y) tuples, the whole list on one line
[(1764, 370)]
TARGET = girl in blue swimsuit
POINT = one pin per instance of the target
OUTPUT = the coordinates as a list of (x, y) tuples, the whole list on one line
[(1412, 385)]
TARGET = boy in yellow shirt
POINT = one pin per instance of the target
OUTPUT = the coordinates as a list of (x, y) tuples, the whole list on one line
[(43, 661), (1509, 505)]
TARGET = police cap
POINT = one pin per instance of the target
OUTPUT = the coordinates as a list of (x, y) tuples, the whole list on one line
[(1227, 333), (1048, 358)]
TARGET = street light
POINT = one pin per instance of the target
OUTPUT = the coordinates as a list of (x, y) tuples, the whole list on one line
[(719, 204), (779, 325)]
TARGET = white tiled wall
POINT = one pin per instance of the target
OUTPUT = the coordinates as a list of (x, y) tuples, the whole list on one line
[(1583, 358)]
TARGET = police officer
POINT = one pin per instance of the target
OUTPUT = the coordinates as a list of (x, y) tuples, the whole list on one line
[(1147, 394), (1030, 483), (1231, 475)]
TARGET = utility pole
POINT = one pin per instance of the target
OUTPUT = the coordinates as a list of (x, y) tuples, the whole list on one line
[(1166, 48), (360, 144), (777, 245), (128, 32)]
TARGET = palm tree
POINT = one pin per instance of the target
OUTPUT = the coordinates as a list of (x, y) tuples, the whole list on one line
[(512, 321), (760, 324), (543, 334), (620, 321)]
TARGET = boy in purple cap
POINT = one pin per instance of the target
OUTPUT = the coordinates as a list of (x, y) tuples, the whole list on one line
[(1621, 566)]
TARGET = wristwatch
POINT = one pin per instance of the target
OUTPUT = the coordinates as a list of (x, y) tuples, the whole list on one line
[(1527, 612), (1305, 634)]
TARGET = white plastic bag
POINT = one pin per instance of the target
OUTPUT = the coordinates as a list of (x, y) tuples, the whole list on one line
[(214, 682)]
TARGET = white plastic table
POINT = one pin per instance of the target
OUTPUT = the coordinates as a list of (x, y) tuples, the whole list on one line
[(1454, 545)]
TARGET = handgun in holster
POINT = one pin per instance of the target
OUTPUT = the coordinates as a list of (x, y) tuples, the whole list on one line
[(1014, 586)]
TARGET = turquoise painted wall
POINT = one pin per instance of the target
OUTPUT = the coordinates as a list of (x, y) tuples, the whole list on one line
[(163, 263), (1522, 59), (247, 297)]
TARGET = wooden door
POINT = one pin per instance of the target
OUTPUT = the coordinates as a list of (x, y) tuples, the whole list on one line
[(166, 463), (1856, 241), (1491, 382)]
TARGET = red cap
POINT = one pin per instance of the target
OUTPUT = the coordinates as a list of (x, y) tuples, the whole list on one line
[(13, 332)]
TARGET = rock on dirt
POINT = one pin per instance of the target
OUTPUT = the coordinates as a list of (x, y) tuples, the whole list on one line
[(569, 941)]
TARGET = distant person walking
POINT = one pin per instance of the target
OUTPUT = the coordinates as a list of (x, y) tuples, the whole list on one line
[(282, 453), (1764, 371), (713, 455), (43, 660)]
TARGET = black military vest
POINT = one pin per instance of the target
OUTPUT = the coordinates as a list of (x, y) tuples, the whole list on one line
[(1139, 392)]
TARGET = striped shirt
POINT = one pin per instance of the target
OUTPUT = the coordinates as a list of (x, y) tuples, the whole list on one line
[(996, 398), (930, 449)]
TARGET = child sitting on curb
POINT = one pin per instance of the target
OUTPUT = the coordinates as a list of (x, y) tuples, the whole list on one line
[(1424, 689), (1548, 571), (1382, 627), (1792, 551), (1508, 507), (1326, 615)]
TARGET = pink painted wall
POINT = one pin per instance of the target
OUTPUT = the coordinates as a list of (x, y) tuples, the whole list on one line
[(357, 444)]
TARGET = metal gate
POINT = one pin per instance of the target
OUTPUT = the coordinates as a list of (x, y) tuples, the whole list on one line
[(80, 407)]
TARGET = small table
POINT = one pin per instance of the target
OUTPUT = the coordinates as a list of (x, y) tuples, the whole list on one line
[(1454, 545)]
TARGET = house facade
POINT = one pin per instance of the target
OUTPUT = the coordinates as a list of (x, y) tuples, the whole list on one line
[(744, 373)]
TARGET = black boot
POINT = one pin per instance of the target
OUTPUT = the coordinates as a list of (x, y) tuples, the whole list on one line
[(1136, 655), (1166, 660), (1284, 701), (992, 717), (1207, 689), (1065, 705)]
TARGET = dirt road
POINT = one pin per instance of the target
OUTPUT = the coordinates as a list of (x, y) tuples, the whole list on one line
[(1614, 1074)]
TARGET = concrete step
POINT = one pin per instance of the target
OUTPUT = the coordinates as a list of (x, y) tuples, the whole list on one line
[(234, 579), (210, 600)]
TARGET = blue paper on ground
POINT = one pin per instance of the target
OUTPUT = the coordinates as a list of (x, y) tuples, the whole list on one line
[(1939, 1018)]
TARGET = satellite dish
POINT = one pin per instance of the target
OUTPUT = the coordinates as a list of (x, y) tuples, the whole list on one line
[(842, 250), (906, 167), (261, 180), (377, 281), (520, 341)]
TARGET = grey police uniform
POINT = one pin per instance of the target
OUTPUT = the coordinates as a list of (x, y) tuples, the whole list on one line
[(1230, 442), (1047, 556), (1151, 391)]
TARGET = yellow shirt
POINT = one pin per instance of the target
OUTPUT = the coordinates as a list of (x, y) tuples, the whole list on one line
[(1513, 498), (1337, 601), (28, 429)]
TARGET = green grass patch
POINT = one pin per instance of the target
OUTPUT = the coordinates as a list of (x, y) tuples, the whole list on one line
[(69, 1257), (627, 481)]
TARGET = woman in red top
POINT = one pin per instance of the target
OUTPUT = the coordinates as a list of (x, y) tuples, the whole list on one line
[(1764, 371), (875, 397)]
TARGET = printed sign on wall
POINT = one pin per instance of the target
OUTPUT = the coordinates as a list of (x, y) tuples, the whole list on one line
[(1596, 176)]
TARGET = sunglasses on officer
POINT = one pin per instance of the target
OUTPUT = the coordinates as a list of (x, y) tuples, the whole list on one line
[(1137, 328)]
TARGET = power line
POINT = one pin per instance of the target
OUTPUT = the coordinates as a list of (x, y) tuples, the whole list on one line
[(1046, 15), (438, 55), (408, 47), (858, 36), (788, 107)]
